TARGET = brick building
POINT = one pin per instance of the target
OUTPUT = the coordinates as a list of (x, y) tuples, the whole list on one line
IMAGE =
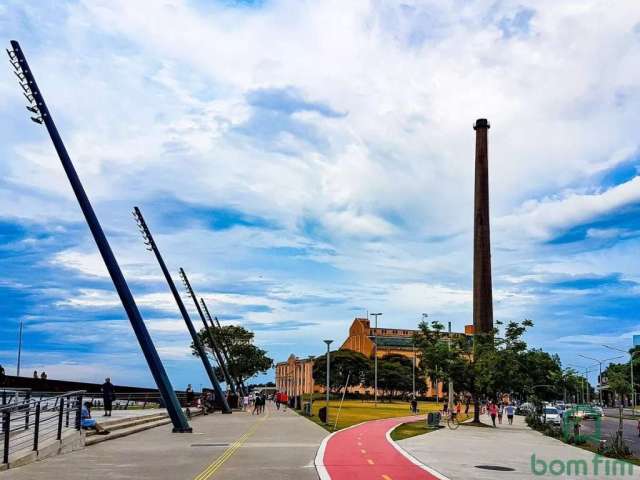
[(295, 375)]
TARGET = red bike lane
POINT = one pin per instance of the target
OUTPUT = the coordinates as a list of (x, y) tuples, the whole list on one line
[(364, 452)]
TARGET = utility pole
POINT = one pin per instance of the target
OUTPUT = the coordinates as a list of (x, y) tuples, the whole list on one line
[(42, 115), (212, 341), (375, 360), (152, 246), (19, 349)]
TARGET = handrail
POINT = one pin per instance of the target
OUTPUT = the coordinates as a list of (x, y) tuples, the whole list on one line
[(24, 425), (18, 406)]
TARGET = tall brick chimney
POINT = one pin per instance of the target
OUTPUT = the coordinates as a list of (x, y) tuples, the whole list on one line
[(482, 292)]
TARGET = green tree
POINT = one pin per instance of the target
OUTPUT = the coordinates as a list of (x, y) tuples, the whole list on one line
[(343, 363), (618, 382), (489, 365), (245, 359), (395, 375)]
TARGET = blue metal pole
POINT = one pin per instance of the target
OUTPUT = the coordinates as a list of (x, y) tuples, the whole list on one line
[(39, 107), (222, 343), (187, 320), (212, 340)]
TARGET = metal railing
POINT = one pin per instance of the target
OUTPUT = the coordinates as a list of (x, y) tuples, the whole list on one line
[(138, 400), (14, 395), (25, 425)]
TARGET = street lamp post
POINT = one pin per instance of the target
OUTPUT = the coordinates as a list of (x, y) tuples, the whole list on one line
[(413, 370), (375, 360), (19, 350), (633, 387), (328, 342), (450, 395), (600, 362), (587, 370)]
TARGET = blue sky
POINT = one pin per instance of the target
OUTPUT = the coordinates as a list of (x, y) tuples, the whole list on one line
[(307, 161)]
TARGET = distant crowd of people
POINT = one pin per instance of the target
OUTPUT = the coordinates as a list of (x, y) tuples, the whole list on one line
[(495, 410)]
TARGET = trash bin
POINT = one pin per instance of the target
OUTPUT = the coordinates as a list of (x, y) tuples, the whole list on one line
[(433, 419), (322, 414)]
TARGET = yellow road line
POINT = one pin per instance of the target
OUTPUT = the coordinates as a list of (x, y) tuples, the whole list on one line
[(228, 453)]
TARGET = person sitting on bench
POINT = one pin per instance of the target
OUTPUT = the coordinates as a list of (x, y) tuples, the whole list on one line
[(89, 423)]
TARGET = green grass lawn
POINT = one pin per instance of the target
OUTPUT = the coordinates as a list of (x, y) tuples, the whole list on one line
[(411, 429), (356, 411)]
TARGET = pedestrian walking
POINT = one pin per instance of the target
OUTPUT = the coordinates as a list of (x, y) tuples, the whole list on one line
[(510, 411), (500, 412), (245, 403), (108, 396), (189, 395), (493, 411)]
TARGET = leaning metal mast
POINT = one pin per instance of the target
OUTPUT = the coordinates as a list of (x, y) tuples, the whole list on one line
[(151, 245), (39, 108), (224, 346), (212, 341)]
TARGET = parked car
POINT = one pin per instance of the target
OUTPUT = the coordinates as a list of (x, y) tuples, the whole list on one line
[(594, 411), (525, 409), (551, 415)]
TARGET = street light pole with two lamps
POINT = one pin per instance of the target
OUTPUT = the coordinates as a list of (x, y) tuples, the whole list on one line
[(599, 362), (375, 359), (328, 342)]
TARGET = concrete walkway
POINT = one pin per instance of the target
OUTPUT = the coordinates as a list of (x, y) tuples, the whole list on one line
[(275, 445), (456, 454)]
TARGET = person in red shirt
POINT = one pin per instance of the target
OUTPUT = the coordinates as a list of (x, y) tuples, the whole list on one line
[(493, 411)]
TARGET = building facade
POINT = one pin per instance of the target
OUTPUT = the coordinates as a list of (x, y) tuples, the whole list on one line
[(295, 376)]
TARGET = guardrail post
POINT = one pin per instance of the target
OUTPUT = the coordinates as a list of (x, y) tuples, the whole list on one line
[(6, 424), (27, 400), (60, 413), (4, 397), (66, 421), (126, 407), (36, 431), (144, 402), (79, 413)]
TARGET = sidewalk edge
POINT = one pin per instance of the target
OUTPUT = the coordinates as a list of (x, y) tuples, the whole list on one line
[(410, 457)]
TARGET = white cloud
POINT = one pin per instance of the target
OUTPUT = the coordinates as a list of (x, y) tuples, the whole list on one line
[(153, 102)]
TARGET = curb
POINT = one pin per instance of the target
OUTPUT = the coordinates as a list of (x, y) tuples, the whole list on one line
[(410, 457)]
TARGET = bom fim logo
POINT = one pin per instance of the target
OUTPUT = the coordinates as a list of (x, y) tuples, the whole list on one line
[(572, 432)]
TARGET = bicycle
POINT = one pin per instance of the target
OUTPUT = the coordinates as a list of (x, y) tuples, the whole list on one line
[(452, 421)]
